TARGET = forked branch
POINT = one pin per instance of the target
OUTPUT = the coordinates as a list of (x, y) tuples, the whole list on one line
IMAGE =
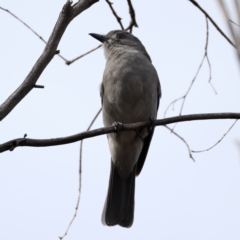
[(67, 14)]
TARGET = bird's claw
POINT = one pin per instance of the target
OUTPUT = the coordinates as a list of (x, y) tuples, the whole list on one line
[(118, 126), (152, 124)]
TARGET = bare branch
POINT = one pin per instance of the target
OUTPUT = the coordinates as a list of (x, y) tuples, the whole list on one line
[(10, 145), (6, 10), (40, 37), (183, 98), (199, 151), (133, 22), (115, 14), (38, 86), (176, 134), (237, 8), (199, 68), (208, 61), (83, 55), (234, 23), (212, 21), (67, 14), (68, 62), (234, 35), (80, 177)]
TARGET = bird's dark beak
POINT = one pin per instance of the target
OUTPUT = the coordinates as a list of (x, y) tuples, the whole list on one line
[(99, 37)]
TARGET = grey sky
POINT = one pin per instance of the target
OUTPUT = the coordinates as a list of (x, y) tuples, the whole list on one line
[(175, 198)]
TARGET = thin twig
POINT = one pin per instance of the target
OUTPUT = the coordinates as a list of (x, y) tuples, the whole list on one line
[(234, 23), (133, 22), (205, 56), (115, 14), (67, 14), (101, 131), (208, 61), (237, 8), (40, 37), (234, 35), (212, 21), (187, 145), (199, 151), (83, 55), (80, 177), (68, 62)]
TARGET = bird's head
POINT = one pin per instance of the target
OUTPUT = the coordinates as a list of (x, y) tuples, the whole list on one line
[(118, 41)]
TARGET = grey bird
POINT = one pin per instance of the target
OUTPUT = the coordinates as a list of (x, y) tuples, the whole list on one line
[(130, 93)]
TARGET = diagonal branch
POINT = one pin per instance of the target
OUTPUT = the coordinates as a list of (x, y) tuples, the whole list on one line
[(115, 14), (6, 10), (205, 56), (133, 22), (83, 55), (11, 145), (67, 14), (234, 23), (212, 21), (185, 142), (224, 135), (68, 62), (40, 37), (80, 178), (227, 16)]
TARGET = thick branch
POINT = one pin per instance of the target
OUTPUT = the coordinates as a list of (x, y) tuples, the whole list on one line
[(67, 14), (11, 145)]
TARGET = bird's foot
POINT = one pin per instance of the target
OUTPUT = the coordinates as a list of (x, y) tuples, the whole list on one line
[(152, 124), (118, 126)]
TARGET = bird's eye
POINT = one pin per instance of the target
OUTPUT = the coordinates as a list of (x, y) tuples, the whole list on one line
[(120, 36)]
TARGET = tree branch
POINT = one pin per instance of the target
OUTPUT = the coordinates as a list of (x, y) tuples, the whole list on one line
[(205, 56), (67, 14), (227, 16), (80, 178), (212, 21), (11, 145), (185, 142), (115, 14), (83, 55), (133, 22), (224, 135), (234, 23), (68, 62), (25, 24)]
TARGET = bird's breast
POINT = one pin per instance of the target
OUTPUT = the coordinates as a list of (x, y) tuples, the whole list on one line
[(128, 89)]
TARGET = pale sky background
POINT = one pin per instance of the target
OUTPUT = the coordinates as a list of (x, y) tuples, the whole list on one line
[(175, 197)]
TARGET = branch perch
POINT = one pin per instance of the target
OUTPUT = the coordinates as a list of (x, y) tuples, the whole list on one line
[(10, 145)]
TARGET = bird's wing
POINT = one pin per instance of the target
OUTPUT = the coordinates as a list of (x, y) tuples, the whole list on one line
[(147, 140), (101, 92), (144, 152)]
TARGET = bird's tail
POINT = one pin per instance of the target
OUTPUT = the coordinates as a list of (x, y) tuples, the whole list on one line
[(119, 205)]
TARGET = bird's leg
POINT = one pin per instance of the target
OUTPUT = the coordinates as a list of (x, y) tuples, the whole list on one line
[(152, 123), (118, 126)]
